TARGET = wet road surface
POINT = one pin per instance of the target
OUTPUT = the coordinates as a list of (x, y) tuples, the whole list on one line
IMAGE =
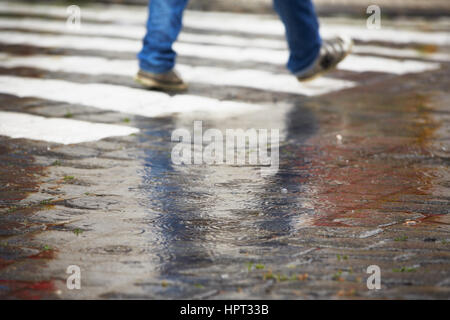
[(363, 177)]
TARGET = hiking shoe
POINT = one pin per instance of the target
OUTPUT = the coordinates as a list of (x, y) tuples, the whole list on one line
[(170, 80), (331, 53)]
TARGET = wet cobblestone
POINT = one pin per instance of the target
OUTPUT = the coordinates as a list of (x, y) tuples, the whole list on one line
[(363, 181)]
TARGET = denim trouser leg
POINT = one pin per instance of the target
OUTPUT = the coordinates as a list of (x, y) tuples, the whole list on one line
[(163, 27), (302, 32)]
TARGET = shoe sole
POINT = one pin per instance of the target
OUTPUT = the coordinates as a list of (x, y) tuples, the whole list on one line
[(319, 74), (152, 84)]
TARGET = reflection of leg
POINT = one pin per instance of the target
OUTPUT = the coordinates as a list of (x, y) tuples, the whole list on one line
[(163, 27), (302, 32)]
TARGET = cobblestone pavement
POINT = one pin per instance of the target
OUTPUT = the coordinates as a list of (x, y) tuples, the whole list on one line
[(87, 179)]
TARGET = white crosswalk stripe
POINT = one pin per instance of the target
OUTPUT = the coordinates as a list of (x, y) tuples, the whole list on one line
[(231, 38), (137, 32), (244, 23), (277, 57), (400, 53), (65, 131), (121, 98), (246, 78)]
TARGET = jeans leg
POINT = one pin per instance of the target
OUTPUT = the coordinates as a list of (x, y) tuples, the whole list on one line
[(302, 32), (163, 26)]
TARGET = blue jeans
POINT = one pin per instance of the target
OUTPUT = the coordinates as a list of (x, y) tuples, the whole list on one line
[(165, 22)]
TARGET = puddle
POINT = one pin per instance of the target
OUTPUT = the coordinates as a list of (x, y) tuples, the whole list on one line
[(353, 164), (355, 167)]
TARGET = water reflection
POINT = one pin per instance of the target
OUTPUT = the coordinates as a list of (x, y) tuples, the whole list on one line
[(214, 216)]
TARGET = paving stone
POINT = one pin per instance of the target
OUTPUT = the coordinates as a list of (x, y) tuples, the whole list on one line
[(363, 180)]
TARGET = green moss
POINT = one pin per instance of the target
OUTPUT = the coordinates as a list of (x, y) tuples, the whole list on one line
[(282, 277), (46, 202), (12, 209), (77, 231), (343, 257), (404, 269), (337, 276)]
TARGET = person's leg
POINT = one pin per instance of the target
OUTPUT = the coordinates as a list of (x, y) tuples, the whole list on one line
[(302, 32), (163, 26)]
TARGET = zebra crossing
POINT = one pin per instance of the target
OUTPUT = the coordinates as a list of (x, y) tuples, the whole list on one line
[(64, 131), (212, 51), (137, 33), (210, 38), (255, 25), (256, 79)]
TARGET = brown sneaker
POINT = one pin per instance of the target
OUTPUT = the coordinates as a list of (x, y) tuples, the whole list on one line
[(331, 53), (163, 81)]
